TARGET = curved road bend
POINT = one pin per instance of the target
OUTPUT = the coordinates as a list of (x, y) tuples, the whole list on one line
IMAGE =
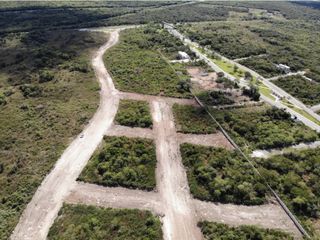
[(40, 213)]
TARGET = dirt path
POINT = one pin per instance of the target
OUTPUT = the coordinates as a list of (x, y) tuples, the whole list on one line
[(180, 220), (266, 216), (117, 130), (150, 98), (115, 197), (40, 213), (214, 140)]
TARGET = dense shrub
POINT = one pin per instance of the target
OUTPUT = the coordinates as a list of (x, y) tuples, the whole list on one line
[(121, 161), (30, 90), (219, 231), (214, 98), (263, 127), (190, 119), (134, 114), (87, 222)]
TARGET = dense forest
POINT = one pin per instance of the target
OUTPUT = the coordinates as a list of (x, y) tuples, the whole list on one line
[(121, 161), (87, 222)]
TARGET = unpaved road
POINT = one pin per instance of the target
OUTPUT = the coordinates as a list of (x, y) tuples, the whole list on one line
[(115, 197), (180, 220), (40, 213)]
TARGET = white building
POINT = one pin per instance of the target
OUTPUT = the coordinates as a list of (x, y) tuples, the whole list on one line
[(183, 56), (283, 67)]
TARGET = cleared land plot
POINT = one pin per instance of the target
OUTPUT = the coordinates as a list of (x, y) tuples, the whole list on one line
[(286, 42), (50, 93), (88, 222), (263, 127), (213, 231), (122, 161), (137, 65), (306, 91), (190, 119), (220, 175), (134, 114)]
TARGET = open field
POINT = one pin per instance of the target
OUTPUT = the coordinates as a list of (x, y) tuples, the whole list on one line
[(88, 222), (134, 114), (48, 101), (121, 161)]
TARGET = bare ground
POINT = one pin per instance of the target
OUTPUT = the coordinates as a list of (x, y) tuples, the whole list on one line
[(115, 197), (118, 130), (214, 140)]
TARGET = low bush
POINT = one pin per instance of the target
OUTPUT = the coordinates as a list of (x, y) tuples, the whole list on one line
[(134, 114), (219, 231), (121, 161), (87, 222), (190, 119)]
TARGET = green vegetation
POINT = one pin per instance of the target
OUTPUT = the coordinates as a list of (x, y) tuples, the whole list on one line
[(296, 177), (308, 92), (134, 114), (190, 119), (122, 161), (87, 222), (219, 231), (137, 63), (214, 98), (40, 117), (287, 42), (263, 127), (219, 175)]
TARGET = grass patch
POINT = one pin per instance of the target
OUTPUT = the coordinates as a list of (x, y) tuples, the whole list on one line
[(36, 125), (134, 114), (263, 127), (122, 161), (137, 65), (219, 175), (88, 222), (213, 231), (190, 119)]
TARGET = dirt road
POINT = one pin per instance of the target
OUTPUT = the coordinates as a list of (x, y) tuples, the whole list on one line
[(40, 213), (180, 220)]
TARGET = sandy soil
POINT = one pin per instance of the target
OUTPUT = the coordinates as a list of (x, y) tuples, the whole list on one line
[(117, 130), (206, 80), (266, 216), (214, 140), (40, 213), (149, 98), (116, 197), (180, 220)]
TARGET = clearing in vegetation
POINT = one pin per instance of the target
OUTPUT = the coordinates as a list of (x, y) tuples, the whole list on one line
[(122, 161), (307, 91), (139, 62), (88, 222), (134, 114), (50, 93), (219, 231), (190, 119), (263, 127)]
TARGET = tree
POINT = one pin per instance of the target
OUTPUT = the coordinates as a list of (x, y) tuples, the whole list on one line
[(247, 75)]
